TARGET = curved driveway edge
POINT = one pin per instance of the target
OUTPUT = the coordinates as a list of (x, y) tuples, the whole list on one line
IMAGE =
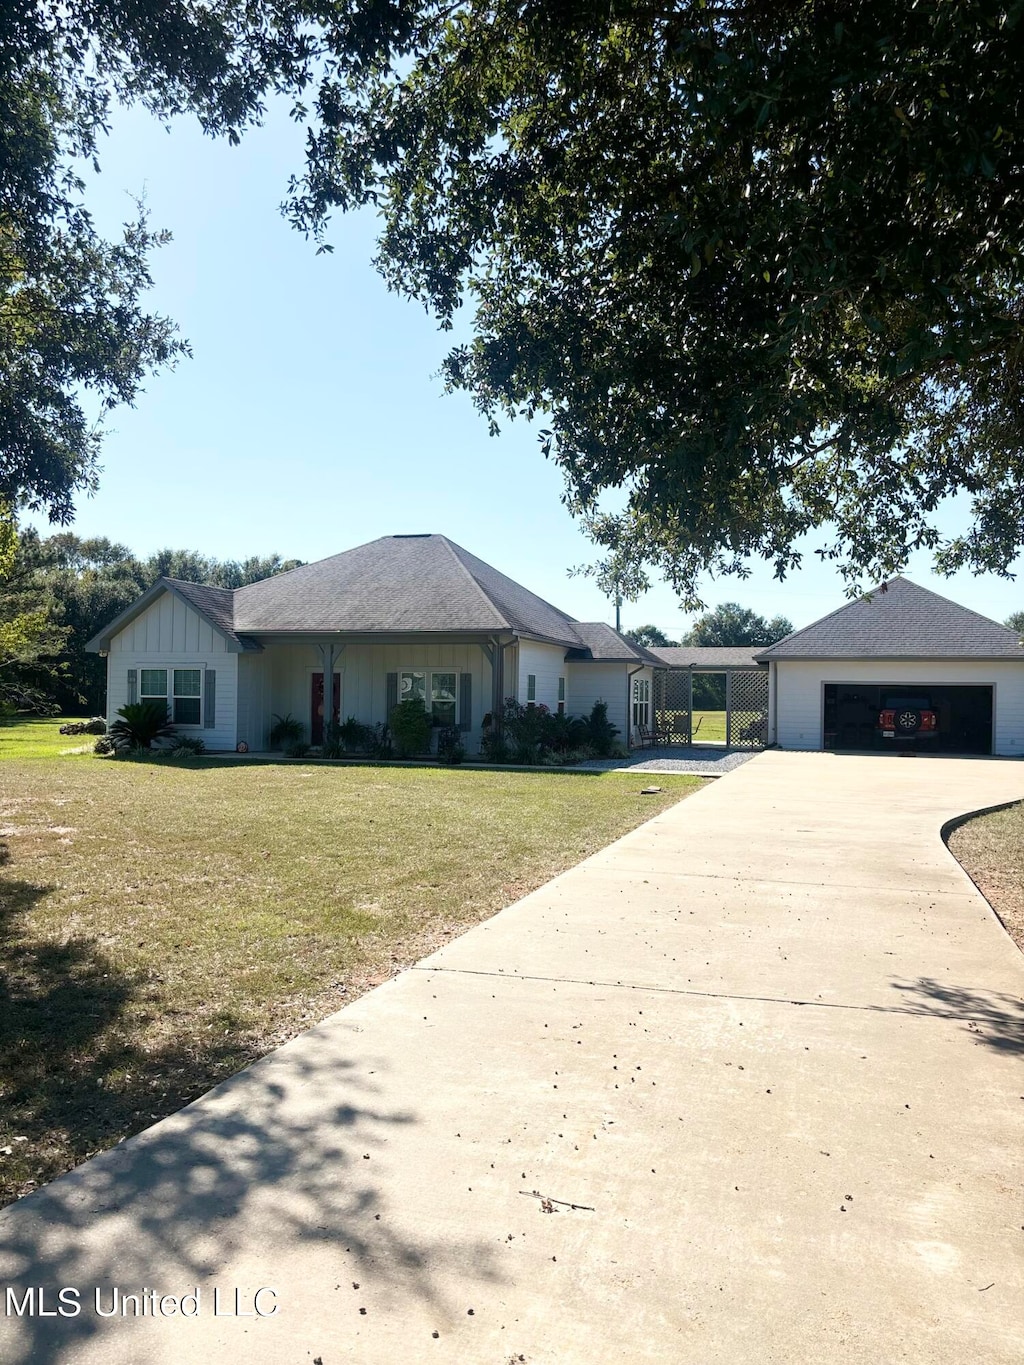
[(743, 1087)]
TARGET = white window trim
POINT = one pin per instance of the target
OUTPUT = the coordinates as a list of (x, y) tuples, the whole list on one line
[(170, 669), (641, 703), (531, 687), (428, 670)]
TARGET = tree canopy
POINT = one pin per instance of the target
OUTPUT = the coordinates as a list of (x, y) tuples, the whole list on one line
[(757, 266), (731, 624), (75, 338), (66, 588), (651, 637), (1015, 621)]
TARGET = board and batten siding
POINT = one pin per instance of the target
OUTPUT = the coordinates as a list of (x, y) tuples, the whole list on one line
[(547, 664), (287, 670), (799, 692), (169, 634), (607, 682), (254, 713)]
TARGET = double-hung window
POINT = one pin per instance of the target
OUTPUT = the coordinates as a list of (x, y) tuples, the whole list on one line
[(187, 700), (561, 696), (438, 690), (642, 701), (180, 690)]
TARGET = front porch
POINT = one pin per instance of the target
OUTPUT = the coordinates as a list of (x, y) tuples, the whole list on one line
[(459, 681)]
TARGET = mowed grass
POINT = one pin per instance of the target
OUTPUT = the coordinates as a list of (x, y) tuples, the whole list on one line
[(708, 727), (164, 925), (991, 850), (41, 738)]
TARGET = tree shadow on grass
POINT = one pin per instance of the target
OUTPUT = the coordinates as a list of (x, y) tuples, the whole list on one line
[(993, 1017), (271, 1160)]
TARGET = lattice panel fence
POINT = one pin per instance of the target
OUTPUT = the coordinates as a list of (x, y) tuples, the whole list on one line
[(747, 719), (672, 705)]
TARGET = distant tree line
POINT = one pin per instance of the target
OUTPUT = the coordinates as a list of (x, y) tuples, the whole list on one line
[(57, 592), (728, 625)]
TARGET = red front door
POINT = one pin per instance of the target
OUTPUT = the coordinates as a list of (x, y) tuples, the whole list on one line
[(316, 709)]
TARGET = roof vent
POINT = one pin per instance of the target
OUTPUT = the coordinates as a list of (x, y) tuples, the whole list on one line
[(418, 535)]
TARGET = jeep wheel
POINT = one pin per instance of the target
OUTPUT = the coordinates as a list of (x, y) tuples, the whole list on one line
[(908, 722)]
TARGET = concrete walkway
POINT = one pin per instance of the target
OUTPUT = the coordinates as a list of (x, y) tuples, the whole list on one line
[(769, 1043)]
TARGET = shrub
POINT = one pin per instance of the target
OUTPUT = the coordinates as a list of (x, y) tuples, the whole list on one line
[(450, 748), (284, 731), (380, 745), (410, 727), (186, 746), (356, 737), (600, 731), (333, 745), (494, 747), (138, 724), (299, 750)]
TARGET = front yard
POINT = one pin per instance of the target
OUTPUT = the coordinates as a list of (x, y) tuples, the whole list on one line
[(162, 926), (990, 848)]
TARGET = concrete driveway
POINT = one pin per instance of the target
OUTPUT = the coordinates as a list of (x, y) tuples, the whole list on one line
[(744, 1087)]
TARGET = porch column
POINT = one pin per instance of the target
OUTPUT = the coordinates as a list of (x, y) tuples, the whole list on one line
[(330, 654)]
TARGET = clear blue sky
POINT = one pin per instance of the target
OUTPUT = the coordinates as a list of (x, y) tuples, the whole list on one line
[(311, 418)]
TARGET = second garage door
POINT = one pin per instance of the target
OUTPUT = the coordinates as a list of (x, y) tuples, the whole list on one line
[(922, 717)]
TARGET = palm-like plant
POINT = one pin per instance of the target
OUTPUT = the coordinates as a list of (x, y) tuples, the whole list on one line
[(138, 724)]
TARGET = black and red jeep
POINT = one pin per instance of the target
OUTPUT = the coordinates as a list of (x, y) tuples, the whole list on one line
[(907, 716)]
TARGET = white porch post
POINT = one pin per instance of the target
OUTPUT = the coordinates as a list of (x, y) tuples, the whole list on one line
[(329, 656)]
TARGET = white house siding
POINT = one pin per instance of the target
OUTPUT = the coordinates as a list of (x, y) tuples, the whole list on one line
[(169, 634), (254, 710), (364, 669), (590, 682), (547, 664), (799, 690)]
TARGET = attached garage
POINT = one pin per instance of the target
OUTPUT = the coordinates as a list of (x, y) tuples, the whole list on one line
[(903, 670)]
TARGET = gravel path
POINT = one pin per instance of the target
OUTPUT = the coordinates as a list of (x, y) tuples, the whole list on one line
[(712, 762)]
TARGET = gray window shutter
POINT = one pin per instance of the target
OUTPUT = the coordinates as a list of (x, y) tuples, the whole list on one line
[(466, 701), (391, 697), (133, 685), (210, 700)]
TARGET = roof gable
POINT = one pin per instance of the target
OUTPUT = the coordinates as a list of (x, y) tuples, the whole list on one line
[(214, 605), (899, 620)]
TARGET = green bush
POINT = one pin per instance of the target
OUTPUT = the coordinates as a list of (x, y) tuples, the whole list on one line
[(494, 748), (186, 746), (299, 750), (286, 730), (381, 745), (333, 745), (450, 748), (356, 737), (600, 731), (138, 724), (410, 727)]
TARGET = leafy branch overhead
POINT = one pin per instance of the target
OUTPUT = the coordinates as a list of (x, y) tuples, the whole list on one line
[(757, 266)]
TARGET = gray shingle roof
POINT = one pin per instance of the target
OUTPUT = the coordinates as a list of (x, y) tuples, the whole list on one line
[(602, 643), (707, 656), (395, 585), (398, 584), (900, 620)]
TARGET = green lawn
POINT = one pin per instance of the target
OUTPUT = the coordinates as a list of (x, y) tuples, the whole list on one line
[(708, 727), (163, 925), (41, 738)]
